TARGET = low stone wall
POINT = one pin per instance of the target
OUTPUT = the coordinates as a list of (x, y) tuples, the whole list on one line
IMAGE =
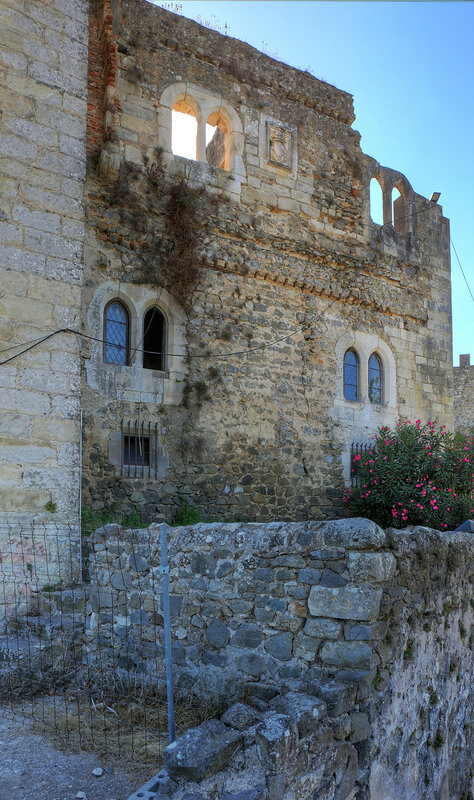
[(377, 625), (422, 706), (250, 602)]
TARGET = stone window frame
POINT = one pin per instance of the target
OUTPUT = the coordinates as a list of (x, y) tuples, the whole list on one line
[(359, 419), (133, 382), (204, 105), (365, 345), (389, 179)]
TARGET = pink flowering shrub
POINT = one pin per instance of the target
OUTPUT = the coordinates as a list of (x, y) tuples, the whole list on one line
[(415, 475)]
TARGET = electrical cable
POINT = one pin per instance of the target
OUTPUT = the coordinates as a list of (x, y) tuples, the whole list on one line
[(460, 267), (220, 356), (44, 339)]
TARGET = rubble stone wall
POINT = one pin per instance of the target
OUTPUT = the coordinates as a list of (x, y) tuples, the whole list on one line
[(287, 253), (378, 625)]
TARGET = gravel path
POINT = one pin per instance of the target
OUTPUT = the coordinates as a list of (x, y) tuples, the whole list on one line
[(32, 769)]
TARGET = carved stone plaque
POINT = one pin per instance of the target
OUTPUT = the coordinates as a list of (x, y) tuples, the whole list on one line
[(279, 146)]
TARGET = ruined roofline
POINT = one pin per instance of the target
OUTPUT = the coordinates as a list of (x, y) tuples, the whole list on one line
[(238, 58)]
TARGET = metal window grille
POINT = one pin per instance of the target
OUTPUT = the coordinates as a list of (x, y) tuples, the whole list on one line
[(139, 449), (358, 452)]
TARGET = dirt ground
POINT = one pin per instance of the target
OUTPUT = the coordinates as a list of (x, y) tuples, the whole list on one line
[(31, 768)]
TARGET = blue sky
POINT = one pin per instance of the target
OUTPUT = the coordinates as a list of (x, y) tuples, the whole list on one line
[(410, 67)]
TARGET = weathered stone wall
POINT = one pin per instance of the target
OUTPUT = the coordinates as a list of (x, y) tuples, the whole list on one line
[(43, 63), (288, 255), (464, 396), (377, 625)]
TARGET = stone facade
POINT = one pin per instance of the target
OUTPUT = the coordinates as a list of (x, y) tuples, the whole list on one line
[(464, 396), (377, 625), (43, 80), (259, 255), (250, 412)]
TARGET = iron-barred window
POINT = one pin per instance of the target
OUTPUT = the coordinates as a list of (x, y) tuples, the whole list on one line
[(136, 451), (116, 333), (375, 379), (351, 375)]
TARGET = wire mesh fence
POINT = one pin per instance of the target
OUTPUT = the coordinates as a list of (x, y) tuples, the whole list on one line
[(84, 660)]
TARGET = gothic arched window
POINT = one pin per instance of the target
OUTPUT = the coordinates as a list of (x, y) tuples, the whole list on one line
[(116, 333), (351, 375), (375, 379), (154, 339)]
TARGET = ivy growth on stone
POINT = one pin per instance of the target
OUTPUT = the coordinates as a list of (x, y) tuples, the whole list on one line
[(169, 219)]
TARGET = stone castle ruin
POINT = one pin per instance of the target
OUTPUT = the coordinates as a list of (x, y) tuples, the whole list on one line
[(215, 320), (217, 328)]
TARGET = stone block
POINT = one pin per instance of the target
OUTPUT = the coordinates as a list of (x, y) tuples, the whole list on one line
[(240, 716), (280, 646), (339, 696), (249, 793), (252, 664), (356, 655), (375, 567), (305, 647), (360, 727), (121, 580), (353, 534), (202, 751), (217, 634), (277, 739), (305, 710), (248, 636), (330, 578), (361, 632), (344, 602), (322, 628), (311, 576)]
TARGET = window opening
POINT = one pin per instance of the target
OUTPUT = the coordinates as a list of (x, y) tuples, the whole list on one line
[(217, 141), (139, 449), (351, 375), (184, 129), (375, 379), (116, 327), (376, 202), (398, 211), (136, 450), (154, 340)]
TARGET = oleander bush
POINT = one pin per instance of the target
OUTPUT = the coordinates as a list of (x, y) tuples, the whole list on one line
[(414, 475)]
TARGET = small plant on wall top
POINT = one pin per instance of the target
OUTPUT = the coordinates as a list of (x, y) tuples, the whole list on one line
[(415, 475)]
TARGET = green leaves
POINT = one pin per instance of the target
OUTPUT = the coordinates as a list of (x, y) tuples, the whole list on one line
[(415, 475)]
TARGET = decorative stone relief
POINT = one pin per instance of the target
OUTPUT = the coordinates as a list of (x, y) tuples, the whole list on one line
[(279, 145)]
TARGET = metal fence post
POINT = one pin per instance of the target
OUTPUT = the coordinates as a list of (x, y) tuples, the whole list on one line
[(165, 583)]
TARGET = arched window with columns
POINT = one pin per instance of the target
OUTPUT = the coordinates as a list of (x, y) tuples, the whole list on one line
[(218, 130)]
